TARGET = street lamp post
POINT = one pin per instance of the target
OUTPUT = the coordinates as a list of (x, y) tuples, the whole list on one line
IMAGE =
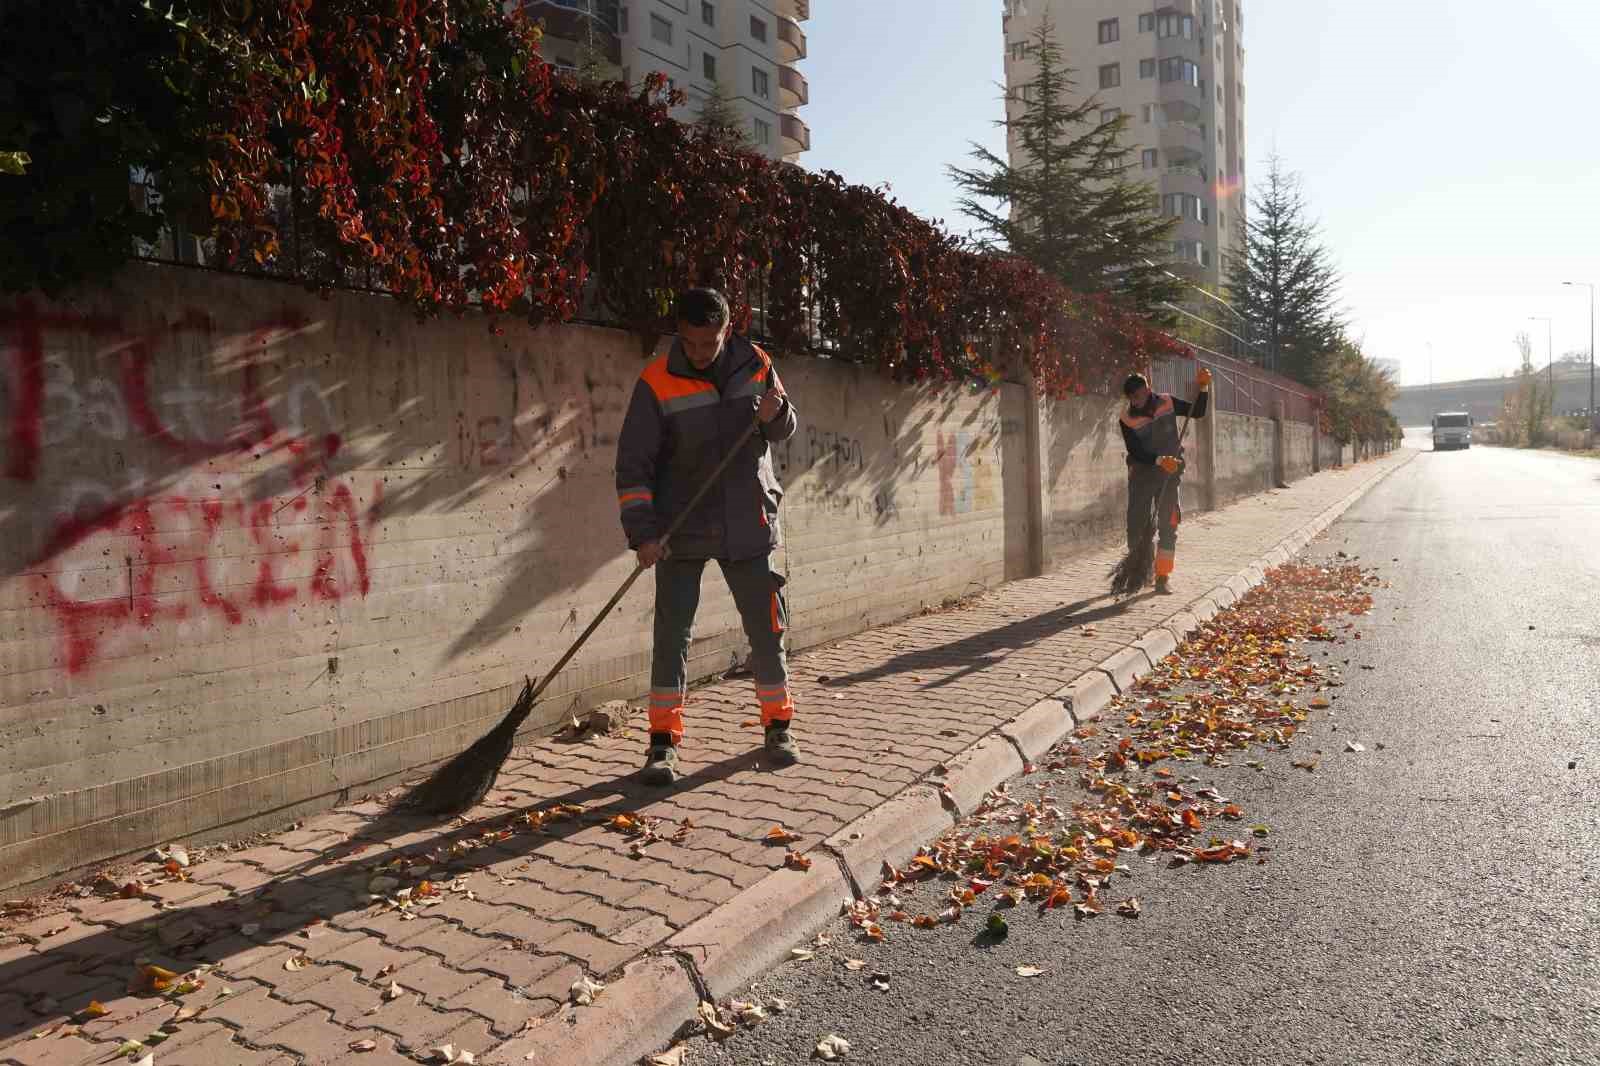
[(1594, 422), (1549, 357)]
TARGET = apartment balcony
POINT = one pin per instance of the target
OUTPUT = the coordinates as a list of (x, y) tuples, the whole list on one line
[(796, 135), (798, 10), (1180, 107), (791, 41), (793, 91), (1181, 143), (585, 23), (1181, 7), (1186, 178)]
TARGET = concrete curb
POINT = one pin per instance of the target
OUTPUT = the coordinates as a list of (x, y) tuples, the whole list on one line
[(752, 932), (741, 939), (635, 1016)]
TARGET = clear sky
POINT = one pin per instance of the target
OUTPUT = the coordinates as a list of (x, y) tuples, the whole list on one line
[(1450, 151)]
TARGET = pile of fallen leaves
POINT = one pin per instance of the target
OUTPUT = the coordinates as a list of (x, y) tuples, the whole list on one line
[(1245, 681)]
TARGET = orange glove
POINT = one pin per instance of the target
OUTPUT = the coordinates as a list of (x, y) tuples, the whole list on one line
[(1204, 378), (1168, 463)]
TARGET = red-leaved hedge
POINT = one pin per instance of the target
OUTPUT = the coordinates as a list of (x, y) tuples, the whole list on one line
[(425, 148)]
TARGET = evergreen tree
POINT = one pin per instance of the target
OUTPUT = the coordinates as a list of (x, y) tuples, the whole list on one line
[(721, 121), (1284, 283), (1068, 205)]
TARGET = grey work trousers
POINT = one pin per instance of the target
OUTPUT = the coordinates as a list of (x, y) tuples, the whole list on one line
[(1153, 493), (758, 594)]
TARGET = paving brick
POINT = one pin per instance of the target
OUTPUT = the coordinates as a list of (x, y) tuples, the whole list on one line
[(256, 1012), (220, 1048), (505, 1007), (434, 979), (52, 1051), (597, 954)]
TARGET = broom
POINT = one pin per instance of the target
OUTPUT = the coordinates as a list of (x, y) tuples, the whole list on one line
[(467, 778), (1134, 570)]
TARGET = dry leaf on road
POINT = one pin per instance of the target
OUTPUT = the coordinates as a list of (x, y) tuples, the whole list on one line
[(855, 964), (832, 1047), (1029, 971), (779, 835), (670, 1057), (393, 992), (1129, 908), (298, 962), (363, 1045), (712, 1018), (1351, 745), (796, 861)]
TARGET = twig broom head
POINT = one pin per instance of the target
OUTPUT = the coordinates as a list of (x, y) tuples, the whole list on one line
[(467, 778)]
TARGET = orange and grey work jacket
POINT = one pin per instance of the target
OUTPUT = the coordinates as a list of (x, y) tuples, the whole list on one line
[(680, 423), (1151, 431)]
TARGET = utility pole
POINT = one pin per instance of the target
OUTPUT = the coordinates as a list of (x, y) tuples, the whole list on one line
[(1594, 422), (1549, 358)]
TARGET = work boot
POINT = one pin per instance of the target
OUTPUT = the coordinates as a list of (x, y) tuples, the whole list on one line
[(780, 746), (661, 764), (1162, 586)]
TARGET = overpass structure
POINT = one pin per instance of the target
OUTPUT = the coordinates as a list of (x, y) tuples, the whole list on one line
[(1484, 398)]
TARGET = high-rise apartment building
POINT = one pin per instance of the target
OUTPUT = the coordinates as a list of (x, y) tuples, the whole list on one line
[(1176, 69), (747, 48)]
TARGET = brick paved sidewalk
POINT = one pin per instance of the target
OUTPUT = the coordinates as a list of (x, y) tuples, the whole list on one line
[(289, 930)]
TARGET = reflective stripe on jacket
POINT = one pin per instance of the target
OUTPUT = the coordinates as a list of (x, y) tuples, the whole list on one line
[(679, 425)]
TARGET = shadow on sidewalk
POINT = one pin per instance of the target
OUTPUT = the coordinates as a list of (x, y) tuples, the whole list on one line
[(980, 651), (99, 966)]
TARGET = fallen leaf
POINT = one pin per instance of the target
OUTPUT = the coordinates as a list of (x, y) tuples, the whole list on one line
[(997, 926), (363, 1045), (779, 835), (1321, 703), (1351, 745), (250, 928), (751, 1014), (670, 1057), (879, 982), (1307, 765), (179, 855), (393, 992), (796, 861), (298, 962), (832, 1047), (584, 989), (151, 978), (802, 954), (1129, 908), (855, 964), (712, 1018), (183, 1014), (750, 723), (132, 890), (149, 1059), (1029, 971), (126, 1048), (95, 1009), (779, 1005)]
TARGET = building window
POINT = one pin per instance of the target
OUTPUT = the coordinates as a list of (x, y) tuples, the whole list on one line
[(622, 22), (1179, 69), (1019, 51), (1147, 68), (660, 29), (708, 13), (1147, 22), (760, 84), (709, 63), (1110, 31), (1183, 205), (1109, 115), (1175, 26), (763, 130), (1148, 113), (1151, 159), (1111, 75), (758, 29)]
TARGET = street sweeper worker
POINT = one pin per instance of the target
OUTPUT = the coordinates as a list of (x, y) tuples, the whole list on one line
[(689, 409), (1155, 466)]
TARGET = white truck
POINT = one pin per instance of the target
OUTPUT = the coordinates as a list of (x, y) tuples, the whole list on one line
[(1452, 429)]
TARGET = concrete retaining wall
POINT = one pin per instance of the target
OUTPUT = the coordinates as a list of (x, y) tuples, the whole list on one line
[(1299, 444), (1244, 455), (260, 550)]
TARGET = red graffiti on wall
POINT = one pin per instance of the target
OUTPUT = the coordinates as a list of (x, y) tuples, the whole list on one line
[(173, 567), (119, 559)]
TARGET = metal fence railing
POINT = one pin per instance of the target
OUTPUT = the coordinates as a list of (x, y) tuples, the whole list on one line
[(1239, 387)]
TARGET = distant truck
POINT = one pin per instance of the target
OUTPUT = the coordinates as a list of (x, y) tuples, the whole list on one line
[(1452, 429)]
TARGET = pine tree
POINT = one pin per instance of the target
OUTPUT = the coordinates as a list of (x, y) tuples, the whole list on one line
[(1284, 284), (721, 121), (1069, 205)]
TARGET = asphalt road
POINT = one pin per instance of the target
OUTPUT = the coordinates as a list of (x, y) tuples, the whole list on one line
[(1434, 901)]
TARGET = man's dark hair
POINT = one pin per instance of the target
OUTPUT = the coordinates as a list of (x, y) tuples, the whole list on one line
[(703, 307), (1134, 383)]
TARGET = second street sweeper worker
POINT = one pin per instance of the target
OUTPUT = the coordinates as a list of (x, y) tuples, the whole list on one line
[(689, 409), (1155, 466)]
